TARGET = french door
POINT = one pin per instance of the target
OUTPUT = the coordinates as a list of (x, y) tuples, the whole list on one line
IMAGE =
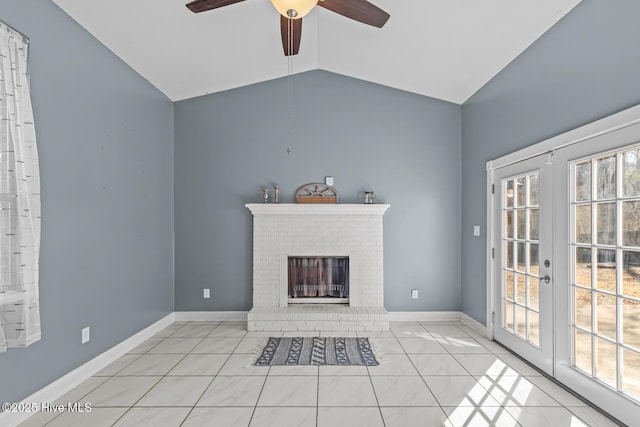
[(565, 275), (523, 305), (598, 257)]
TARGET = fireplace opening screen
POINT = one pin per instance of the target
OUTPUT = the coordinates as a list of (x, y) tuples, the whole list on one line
[(318, 279)]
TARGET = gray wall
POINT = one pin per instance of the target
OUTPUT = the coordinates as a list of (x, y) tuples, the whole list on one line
[(585, 68), (105, 139), (405, 147)]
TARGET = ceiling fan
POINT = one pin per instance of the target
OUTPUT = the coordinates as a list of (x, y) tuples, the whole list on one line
[(292, 11)]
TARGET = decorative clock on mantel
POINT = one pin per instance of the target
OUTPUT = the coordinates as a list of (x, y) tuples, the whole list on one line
[(316, 193)]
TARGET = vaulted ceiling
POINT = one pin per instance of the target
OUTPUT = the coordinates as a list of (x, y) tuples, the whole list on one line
[(446, 49)]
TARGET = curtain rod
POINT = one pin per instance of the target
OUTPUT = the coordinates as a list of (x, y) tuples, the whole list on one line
[(11, 29)]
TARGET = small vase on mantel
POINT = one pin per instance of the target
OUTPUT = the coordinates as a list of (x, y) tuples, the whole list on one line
[(369, 197)]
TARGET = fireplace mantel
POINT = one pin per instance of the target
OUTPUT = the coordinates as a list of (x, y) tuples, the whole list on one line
[(351, 230), (315, 209)]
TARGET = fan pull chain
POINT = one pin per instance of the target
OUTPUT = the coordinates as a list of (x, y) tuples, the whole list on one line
[(290, 43)]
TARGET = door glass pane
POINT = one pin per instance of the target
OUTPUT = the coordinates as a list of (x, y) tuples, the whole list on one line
[(508, 224), (534, 190), (631, 370), (583, 182), (631, 223), (508, 316), (534, 293), (520, 288), (582, 351), (631, 173), (534, 327), (534, 259), (582, 311), (606, 315), (509, 194), (606, 223), (606, 362), (522, 224), (631, 274), (509, 254), (631, 323), (583, 223), (521, 192), (534, 224), (508, 285), (606, 178), (521, 321), (583, 269), (606, 268), (521, 257)]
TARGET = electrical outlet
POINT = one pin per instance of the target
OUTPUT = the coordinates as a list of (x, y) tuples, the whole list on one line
[(476, 230), (328, 180), (206, 293), (86, 334), (414, 294)]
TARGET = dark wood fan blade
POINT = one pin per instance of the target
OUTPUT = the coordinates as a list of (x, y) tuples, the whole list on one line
[(359, 10), (291, 31), (197, 6)]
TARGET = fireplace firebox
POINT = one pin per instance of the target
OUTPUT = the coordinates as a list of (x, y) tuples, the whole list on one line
[(318, 279)]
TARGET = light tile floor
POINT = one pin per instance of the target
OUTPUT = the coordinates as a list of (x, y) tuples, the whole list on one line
[(196, 374)]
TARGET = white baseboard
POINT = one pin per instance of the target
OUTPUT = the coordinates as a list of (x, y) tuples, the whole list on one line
[(64, 384), (423, 316), (474, 324), (201, 316)]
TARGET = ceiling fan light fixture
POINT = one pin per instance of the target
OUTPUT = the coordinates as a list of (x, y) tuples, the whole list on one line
[(294, 9)]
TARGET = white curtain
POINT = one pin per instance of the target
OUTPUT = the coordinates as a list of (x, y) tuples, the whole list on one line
[(19, 198)]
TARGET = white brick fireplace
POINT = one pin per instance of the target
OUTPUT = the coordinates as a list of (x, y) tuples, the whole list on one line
[(310, 230)]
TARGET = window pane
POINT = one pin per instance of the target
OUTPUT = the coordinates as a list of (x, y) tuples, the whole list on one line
[(534, 260), (631, 223), (534, 327), (631, 173), (508, 285), (583, 224), (583, 182), (534, 190), (582, 308), (606, 362), (582, 351), (631, 373), (606, 315), (631, 274), (606, 226), (583, 267), (631, 323), (509, 194), (606, 178), (534, 224), (606, 270), (520, 191), (508, 224)]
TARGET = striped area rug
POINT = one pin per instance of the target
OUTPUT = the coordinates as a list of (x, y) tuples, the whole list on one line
[(317, 351)]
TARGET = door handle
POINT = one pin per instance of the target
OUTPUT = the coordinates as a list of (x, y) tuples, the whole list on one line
[(545, 279)]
